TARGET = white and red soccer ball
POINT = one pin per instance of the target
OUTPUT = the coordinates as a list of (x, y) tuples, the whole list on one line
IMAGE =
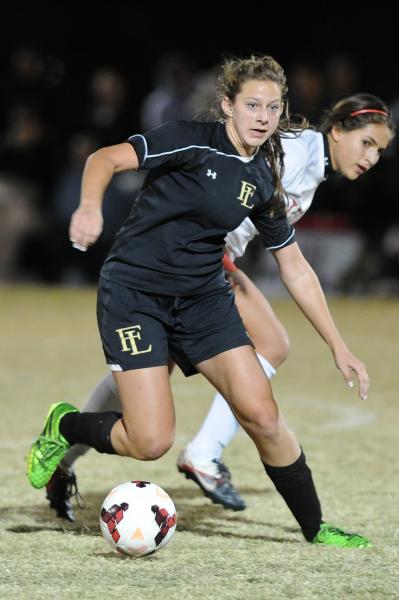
[(137, 518)]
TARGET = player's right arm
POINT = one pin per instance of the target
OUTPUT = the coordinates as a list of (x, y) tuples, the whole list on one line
[(87, 220), (304, 286)]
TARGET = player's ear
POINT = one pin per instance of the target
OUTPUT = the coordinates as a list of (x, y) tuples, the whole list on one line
[(336, 133), (227, 106)]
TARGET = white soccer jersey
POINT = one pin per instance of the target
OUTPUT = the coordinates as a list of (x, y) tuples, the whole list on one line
[(304, 170)]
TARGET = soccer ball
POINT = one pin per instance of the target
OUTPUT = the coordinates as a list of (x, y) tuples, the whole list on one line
[(137, 518)]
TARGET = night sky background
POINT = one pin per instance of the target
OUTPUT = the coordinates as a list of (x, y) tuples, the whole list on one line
[(72, 41), (132, 35)]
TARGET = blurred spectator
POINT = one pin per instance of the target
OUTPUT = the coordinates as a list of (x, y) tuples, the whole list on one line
[(32, 79), (202, 95), (174, 77), (306, 90), (29, 159), (341, 77), (23, 81), (107, 114), (18, 217), (390, 248), (28, 148)]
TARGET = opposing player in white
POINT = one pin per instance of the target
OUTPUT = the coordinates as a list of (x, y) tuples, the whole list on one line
[(351, 139)]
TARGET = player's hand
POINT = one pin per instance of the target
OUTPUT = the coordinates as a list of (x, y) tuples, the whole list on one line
[(85, 227), (348, 364), (235, 279), (233, 273)]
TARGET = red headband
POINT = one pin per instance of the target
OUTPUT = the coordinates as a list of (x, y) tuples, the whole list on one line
[(368, 110)]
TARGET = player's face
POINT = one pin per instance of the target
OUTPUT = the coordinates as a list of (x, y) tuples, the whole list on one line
[(254, 115), (355, 152)]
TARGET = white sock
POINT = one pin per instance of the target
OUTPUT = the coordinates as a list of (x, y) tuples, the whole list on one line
[(267, 367), (104, 397), (218, 429), (220, 425)]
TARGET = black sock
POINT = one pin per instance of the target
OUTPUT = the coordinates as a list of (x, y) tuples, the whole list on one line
[(295, 484), (91, 429)]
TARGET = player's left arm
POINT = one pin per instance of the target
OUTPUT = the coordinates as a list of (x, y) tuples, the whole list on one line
[(87, 220), (304, 286)]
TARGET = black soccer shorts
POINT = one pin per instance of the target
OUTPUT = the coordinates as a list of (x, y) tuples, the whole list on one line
[(140, 330)]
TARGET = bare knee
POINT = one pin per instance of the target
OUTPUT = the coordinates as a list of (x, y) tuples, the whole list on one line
[(151, 447), (274, 346), (262, 423), (280, 350)]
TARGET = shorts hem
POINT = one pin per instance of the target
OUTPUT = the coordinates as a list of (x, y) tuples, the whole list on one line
[(214, 352), (122, 368)]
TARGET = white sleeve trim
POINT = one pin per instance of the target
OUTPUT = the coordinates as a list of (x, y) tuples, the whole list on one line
[(244, 159), (283, 244), (145, 144)]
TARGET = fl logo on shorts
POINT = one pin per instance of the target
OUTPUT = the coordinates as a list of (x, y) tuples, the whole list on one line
[(129, 337)]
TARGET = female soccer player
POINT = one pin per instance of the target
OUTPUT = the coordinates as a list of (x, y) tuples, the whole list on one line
[(162, 290), (352, 137)]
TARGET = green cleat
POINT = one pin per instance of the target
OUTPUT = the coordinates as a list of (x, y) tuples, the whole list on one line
[(332, 536), (50, 447)]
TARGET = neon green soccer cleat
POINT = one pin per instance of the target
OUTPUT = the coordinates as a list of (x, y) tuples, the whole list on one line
[(332, 536), (50, 447)]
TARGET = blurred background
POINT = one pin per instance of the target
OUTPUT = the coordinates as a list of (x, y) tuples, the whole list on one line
[(75, 78)]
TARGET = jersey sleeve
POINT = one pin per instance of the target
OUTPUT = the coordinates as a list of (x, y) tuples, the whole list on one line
[(299, 192), (275, 230), (171, 144)]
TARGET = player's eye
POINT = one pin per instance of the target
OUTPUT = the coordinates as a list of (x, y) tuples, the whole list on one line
[(273, 108)]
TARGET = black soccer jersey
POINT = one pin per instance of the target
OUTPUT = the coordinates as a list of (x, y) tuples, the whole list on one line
[(197, 189)]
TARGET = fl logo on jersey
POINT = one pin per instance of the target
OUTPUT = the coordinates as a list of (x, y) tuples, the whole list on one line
[(247, 191)]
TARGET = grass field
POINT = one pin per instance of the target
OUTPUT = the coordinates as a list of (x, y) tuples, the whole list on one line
[(50, 351)]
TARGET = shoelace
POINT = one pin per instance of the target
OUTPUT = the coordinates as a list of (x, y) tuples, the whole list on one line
[(52, 447), (73, 492), (222, 469), (338, 531), (348, 536)]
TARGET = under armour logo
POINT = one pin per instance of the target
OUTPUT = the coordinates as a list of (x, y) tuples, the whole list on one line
[(211, 174)]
